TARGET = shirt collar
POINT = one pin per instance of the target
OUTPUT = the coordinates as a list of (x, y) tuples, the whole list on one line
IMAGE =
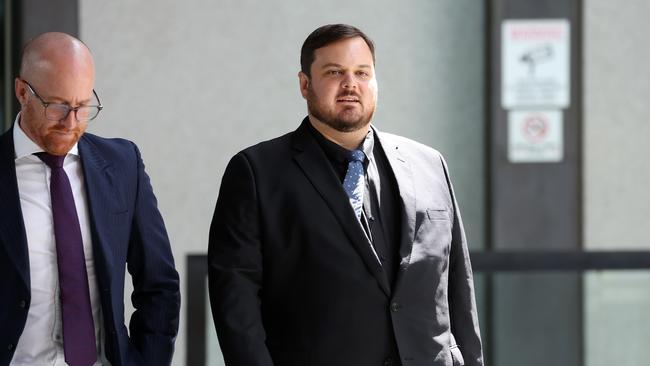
[(338, 152), (24, 146), (369, 144)]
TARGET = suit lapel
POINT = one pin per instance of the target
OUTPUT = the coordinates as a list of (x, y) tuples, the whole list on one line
[(406, 185), (12, 228), (100, 190), (313, 162)]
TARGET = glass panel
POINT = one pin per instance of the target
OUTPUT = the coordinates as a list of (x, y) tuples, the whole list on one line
[(536, 319), (617, 324), (595, 318)]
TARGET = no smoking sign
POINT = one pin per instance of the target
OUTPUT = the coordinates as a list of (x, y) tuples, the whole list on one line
[(535, 136), (535, 128)]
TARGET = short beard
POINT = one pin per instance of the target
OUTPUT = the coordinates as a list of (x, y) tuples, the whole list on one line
[(334, 121)]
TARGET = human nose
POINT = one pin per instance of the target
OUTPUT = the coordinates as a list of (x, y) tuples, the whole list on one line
[(349, 81), (70, 118)]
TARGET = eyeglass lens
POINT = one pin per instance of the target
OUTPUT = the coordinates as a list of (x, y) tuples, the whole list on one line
[(58, 112)]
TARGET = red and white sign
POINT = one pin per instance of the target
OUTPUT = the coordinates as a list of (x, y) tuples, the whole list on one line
[(535, 136), (535, 63)]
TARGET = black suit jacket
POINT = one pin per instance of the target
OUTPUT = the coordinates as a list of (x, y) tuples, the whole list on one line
[(126, 228), (293, 280)]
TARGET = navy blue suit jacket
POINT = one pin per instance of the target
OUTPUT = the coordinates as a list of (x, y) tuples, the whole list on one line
[(127, 230)]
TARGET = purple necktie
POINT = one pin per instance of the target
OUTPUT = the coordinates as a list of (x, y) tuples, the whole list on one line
[(78, 329)]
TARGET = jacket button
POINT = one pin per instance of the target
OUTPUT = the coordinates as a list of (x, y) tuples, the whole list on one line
[(22, 304), (388, 362), (394, 307), (10, 347)]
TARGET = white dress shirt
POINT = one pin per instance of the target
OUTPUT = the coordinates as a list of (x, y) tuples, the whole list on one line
[(41, 342)]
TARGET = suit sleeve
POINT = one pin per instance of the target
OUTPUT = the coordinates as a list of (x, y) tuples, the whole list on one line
[(156, 296), (462, 301), (235, 268)]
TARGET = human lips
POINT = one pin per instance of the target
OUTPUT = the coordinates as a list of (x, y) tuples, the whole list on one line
[(348, 99), (63, 133)]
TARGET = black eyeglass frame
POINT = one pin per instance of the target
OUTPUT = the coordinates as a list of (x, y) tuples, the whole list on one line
[(45, 104)]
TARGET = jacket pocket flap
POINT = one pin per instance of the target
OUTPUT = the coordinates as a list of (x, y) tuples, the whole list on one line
[(438, 214)]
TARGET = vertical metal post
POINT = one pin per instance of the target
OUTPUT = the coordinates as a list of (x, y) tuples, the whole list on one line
[(534, 202), (197, 275)]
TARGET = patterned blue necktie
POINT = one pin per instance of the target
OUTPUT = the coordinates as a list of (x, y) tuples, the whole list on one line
[(353, 184), (76, 311)]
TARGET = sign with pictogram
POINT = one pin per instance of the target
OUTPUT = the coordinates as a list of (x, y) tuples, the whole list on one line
[(535, 63), (535, 136)]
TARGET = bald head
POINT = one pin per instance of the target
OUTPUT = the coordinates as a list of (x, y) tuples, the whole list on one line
[(55, 69), (55, 52)]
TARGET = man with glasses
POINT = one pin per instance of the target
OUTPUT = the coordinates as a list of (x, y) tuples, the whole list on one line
[(76, 211)]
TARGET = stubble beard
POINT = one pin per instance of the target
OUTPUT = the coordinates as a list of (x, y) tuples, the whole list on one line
[(52, 138)]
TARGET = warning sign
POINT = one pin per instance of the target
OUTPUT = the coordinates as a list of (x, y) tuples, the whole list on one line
[(535, 136), (535, 63)]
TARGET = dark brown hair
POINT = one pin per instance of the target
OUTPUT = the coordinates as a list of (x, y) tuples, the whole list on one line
[(325, 35)]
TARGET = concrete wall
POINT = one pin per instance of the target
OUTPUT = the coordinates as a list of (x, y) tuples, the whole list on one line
[(616, 128), (193, 82), (616, 176)]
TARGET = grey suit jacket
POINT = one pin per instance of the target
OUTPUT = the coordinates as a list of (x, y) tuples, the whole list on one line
[(293, 280)]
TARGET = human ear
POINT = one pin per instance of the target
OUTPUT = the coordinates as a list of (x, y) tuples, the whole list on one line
[(304, 83)]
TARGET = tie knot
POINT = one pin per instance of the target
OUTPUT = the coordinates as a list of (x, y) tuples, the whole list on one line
[(53, 161), (356, 155)]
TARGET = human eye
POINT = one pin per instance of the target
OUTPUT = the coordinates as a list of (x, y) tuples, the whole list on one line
[(363, 74), (57, 111), (333, 72), (59, 108)]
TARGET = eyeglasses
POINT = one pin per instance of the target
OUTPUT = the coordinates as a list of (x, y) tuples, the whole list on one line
[(58, 111)]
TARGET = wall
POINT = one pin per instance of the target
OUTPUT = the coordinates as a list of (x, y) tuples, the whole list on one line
[(616, 176), (193, 82)]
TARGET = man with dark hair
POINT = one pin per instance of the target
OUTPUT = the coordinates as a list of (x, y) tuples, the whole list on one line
[(328, 34), (337, 244), (76, 211)]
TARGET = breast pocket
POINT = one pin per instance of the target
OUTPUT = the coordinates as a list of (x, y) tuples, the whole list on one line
[(438, 214)]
